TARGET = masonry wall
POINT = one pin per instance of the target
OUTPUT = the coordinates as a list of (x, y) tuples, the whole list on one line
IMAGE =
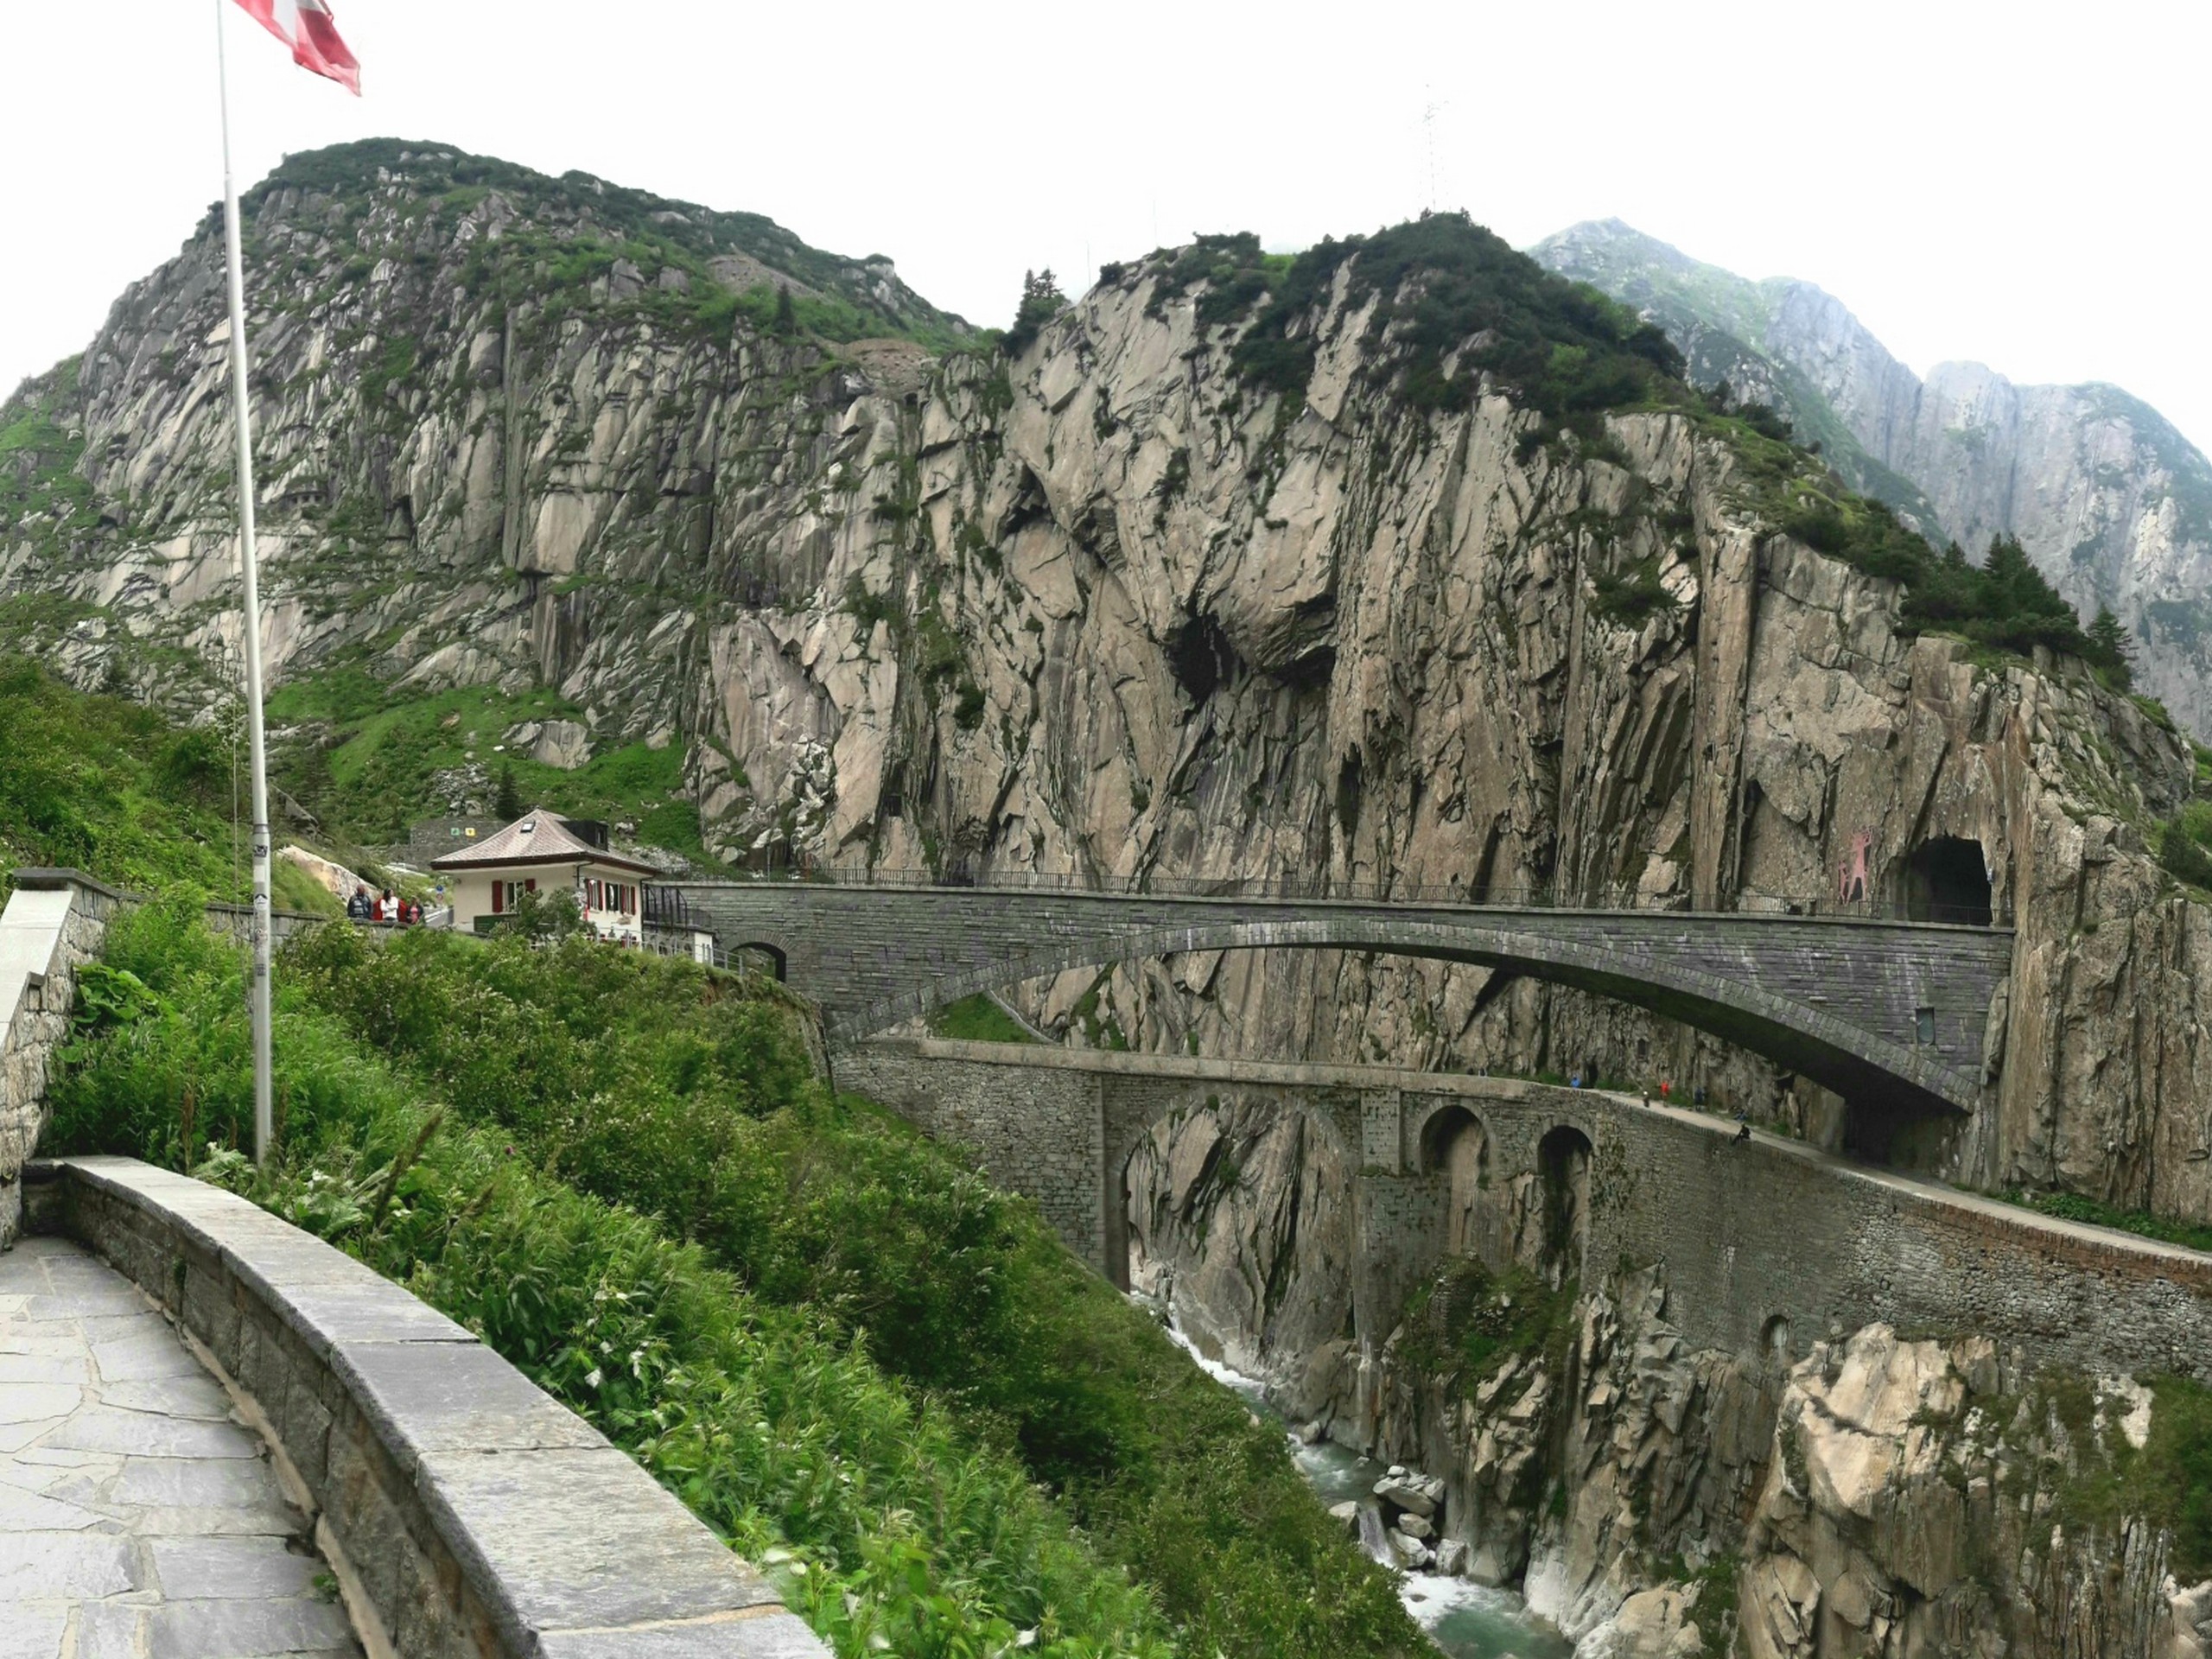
[(1747, 1233), (52, 925), (1036, 1132)]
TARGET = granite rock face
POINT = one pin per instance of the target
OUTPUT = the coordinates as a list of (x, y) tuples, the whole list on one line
[(1112, 609), (2114, 505)]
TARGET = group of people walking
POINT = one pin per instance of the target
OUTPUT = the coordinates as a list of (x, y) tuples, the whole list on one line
[(385, 907)]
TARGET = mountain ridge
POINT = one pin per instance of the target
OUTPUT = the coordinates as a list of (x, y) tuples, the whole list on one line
[(2110, 499)]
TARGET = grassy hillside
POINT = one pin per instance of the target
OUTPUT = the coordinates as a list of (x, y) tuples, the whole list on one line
[(108, 786), (842, 1348), (369, 759)]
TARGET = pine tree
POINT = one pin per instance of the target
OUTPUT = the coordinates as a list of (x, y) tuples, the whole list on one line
[(506, 803), (786, 323), (2112, 648), (1041, 301)]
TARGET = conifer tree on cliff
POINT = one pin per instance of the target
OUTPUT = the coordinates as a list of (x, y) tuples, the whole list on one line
[(1041, 301)]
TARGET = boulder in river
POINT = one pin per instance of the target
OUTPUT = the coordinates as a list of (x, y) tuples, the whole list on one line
[(1406, 1489)]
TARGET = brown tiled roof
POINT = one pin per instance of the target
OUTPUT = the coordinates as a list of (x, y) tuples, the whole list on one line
[(536, 837)]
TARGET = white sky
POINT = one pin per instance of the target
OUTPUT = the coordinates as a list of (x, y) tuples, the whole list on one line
[(2023, 183)]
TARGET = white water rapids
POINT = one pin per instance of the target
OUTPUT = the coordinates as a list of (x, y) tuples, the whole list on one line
[(1465, 1621)]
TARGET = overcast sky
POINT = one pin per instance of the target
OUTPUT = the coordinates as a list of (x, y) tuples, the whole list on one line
[(2019, 184)]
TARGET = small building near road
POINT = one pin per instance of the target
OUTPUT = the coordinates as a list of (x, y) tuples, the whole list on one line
[(545, 854)]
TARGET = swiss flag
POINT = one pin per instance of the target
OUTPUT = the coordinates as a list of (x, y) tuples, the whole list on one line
[(305, 26)]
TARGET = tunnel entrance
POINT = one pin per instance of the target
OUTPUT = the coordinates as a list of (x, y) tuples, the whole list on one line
[(1563, 1161), (1455, 1145), (1947, 880)]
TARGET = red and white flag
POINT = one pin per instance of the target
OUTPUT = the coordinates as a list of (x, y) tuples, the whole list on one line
[(305, 26)]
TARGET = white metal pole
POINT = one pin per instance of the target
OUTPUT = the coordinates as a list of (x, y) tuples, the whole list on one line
[(263, 1129)]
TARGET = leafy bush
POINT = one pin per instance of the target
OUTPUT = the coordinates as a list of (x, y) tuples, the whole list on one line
[(600, 1082), (765, 1420)]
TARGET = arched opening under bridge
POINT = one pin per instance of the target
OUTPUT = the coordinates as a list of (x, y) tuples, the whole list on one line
[(1563, 1167), (1455, 1145)]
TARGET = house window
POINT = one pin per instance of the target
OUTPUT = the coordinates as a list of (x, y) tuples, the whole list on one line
[(1924, 1024)]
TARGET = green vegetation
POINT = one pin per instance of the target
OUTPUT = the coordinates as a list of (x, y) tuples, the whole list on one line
[(2185, 843), (820, 1330), (603, 222), (1442, 284), (2005, 604), (1633, 595), (977, 1019), (1041, 301), (1469, 1322), (2069, 1206), (44, 500), (108, 786), (369, 756), (2106, 1482)]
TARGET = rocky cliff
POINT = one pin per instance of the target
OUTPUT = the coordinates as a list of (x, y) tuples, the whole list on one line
[(2113, 503), (1878, 1496), (1343, 571)]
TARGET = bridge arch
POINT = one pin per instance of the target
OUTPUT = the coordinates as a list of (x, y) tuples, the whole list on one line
[(1799, 1036), (778, 962), (1563, 1159), (1455, 1144)]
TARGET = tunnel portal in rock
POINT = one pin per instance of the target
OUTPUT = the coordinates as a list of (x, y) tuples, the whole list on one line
[(1947, 880)]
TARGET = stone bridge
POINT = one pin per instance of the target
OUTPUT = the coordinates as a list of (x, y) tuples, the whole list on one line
[(1767, 1243), (1887, 1014)]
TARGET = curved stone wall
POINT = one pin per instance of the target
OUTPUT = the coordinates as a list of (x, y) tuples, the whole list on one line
[(467, 1514)]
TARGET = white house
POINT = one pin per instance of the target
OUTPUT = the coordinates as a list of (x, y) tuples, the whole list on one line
[(543, 854)]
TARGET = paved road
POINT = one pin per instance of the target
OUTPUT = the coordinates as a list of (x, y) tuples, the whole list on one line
[(138, 1520)]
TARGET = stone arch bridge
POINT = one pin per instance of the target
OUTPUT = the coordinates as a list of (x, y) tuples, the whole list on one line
[(1891, 1014), (1766, 1244)]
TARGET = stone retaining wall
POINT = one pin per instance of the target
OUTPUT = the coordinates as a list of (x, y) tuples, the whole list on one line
[(467, 1514), (1749, 1234), (54, 923)]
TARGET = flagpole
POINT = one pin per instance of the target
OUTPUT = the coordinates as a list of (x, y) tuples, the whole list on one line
[(257, 752)]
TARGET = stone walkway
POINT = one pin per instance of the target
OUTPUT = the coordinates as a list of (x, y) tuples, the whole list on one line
[(138, 1520)]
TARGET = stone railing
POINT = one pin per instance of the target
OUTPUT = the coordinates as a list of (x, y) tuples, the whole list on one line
[(54, 923), (463, 1510)]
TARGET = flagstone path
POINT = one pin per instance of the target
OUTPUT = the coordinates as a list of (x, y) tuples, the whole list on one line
[(137, 1519)]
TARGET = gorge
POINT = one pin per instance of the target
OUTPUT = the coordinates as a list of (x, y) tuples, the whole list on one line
[(1399, 567)]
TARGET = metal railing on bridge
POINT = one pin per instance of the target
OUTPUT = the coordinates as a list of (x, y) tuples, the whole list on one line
[(665, 904)]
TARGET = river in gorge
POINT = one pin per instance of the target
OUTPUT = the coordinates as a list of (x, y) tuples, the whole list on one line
[(1466, 1621)]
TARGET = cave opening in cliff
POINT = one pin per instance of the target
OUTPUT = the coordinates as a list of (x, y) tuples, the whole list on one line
[(1563, 1161), (1455, 1145), (1947, 880)]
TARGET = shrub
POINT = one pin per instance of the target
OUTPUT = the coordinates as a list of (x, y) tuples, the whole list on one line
[(595, 1085)]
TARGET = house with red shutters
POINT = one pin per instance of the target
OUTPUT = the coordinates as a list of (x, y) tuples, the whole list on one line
[(543, 853)]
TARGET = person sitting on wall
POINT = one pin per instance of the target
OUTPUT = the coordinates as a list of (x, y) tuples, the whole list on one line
[(357, 908)]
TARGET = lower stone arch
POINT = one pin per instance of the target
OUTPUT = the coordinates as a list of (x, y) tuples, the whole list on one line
[(1455, 1143), (779, 963), (1563, 1171)]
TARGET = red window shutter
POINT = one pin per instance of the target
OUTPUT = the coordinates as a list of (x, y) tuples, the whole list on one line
[(498, 897)]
